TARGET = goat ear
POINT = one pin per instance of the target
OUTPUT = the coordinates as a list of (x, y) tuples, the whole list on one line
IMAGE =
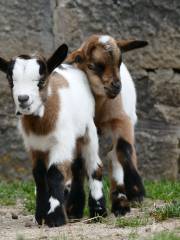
[(128, 45), (3, 65), (57, 58)]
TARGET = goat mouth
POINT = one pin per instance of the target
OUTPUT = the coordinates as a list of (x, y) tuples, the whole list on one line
[(25, 106), (112, 93)]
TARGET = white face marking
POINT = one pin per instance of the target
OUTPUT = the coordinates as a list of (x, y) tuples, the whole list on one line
[(104, 39), (96, 188), (25, 80), (54, 203)]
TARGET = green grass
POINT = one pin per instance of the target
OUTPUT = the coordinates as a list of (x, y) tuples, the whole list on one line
[(163, 190), (10, 192), (165, 235), (170, 210), (132, 221)]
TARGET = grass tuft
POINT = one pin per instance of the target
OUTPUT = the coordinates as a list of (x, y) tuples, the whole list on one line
[(163, 190), (165, 235), (170, 210), (132, 221)]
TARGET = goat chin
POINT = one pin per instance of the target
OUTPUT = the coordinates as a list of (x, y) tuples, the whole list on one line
[(128, 93)]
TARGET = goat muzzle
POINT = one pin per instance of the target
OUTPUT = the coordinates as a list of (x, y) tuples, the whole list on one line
[(114, 89)]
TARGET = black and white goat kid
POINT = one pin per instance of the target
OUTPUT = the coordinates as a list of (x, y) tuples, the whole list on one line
[(56, 111)]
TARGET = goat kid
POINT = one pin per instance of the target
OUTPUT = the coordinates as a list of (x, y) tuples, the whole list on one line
[(100, 57), (56, 109)]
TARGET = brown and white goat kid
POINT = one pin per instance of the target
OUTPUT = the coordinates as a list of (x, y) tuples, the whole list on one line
[(56, 110), (100, 57)]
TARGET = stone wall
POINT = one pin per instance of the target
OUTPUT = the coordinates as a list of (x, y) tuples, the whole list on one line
[(25, 26), (45, 24)]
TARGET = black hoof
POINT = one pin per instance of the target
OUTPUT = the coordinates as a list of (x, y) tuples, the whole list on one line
[(120, 205), (40, 219), (41, 213), (56, 218), (135, 190), (97, 207)]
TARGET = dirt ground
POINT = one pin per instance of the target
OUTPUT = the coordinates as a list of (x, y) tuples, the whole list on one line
[(25, 228)]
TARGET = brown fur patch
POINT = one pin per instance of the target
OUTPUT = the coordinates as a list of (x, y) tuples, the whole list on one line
[(36, 155), (109, 115), (97, 174), (46, 124), (65, 169)]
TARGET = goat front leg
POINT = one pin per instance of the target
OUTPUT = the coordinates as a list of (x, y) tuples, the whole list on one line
[(133, 183), (96, 201), (42, 191), (123, 137), (56, 215)]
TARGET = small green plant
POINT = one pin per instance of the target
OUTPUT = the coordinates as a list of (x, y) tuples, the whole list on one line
[(165, 235), (133, 235), (132, 221), (170, 210)]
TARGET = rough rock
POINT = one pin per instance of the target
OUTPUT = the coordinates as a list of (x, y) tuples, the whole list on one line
[(44, 24)]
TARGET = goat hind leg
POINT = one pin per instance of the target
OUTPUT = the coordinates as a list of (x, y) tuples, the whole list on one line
[(93, 165), (120, 203), (76, 197)]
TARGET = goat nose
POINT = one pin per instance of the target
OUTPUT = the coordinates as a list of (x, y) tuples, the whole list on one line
[(116, 84), (23, 98)]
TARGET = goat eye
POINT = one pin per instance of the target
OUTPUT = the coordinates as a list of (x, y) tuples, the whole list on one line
[(100, 67), (97, 67), (91, 66), (41, 83)]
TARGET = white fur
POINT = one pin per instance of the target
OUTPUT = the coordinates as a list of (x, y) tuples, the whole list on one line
[(96, 188), (75, 119), (117, 170), (39, 143), (128, 93), (121, 195), (54, 203), (104, 39), (25, 80), (68, 185), (77, 112)]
